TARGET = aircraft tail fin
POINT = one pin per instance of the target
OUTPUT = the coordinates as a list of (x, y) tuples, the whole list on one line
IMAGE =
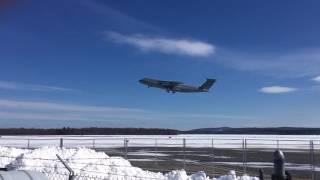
[(207, 85)]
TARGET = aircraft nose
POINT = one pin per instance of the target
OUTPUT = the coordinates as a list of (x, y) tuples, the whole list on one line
[(141, 81)]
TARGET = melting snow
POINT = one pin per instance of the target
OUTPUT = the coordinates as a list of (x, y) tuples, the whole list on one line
[(89, 163)]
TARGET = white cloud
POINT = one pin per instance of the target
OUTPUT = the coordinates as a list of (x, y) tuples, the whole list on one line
[(277, 89), (165, 45), (317, 78), (30, 87)]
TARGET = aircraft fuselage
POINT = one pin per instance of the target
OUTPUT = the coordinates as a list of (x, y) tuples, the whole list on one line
[(173, 86)]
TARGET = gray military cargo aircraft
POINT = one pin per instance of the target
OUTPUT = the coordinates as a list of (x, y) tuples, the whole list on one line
[(176, 86)]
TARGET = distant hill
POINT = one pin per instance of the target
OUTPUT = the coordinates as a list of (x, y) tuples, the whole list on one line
[(272, 130), (155, 131)]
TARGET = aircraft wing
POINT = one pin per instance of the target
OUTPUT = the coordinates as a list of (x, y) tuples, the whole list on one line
[(169, 83)]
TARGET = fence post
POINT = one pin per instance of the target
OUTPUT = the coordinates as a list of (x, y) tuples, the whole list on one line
[(125, 144), (61, 143), (28, 143), (184, 153), (71, 172), (155, 151), (212, 149), (244, 155), (312, 160), (93, 143)]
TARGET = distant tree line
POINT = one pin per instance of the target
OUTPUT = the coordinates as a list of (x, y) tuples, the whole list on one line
[(155, 131), (88, 131)]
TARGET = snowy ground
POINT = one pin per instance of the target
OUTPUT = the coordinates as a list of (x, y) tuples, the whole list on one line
[(155, 152), (89, 164)]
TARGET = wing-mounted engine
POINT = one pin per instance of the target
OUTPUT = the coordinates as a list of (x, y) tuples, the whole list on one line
[(170, 85)]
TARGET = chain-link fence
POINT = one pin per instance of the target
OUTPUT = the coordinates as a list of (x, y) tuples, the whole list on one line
[(214, 155)]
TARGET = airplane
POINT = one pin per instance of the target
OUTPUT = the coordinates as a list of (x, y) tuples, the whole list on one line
[(176, 86)]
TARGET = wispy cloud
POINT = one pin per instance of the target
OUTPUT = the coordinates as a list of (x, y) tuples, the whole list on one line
[(289, 64), (50, 111), (209, 116), (277, 89), (31, 111), (61, 107), (30, 87), (292, 64), (317, 78), (116, 19), (164, 45)]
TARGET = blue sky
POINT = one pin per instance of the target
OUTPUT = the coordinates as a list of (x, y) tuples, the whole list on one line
[(77, 63)]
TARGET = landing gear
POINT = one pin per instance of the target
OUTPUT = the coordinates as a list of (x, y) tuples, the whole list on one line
[(168, 91)]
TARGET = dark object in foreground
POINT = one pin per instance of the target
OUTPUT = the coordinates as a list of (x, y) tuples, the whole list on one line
[(22, 175), (261, 174), (71, 172), (279, 172), (278, 166)]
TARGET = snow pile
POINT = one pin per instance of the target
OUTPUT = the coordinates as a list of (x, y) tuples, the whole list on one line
[(232, 175), (88, 163), (6, 155)]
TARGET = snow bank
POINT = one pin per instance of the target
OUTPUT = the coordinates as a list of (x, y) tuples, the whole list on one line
[(6, 155), (88, 163)]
